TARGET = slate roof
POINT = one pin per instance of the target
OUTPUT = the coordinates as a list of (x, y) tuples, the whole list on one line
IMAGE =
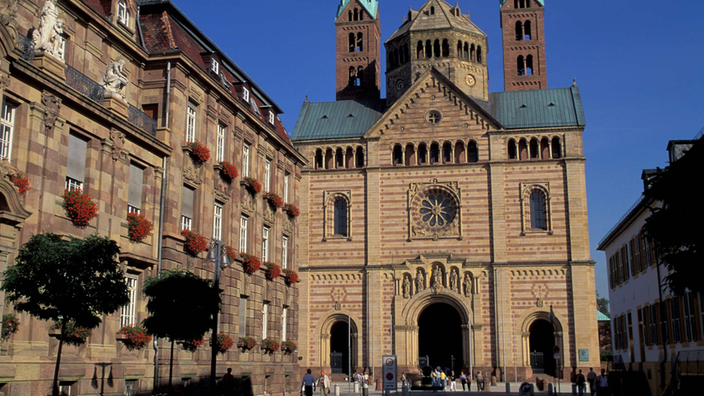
[(443, 18), (541, 2), (336, 120), (540, 108), (372, 7)]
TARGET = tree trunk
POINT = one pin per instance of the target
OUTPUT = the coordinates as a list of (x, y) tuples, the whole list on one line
[(55, 386)]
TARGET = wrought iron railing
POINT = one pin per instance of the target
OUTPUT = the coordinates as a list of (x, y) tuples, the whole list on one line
[(83, 84), (26, 45), (141, 120)]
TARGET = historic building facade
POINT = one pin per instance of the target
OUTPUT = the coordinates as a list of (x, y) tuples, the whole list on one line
[(108, 97), (445, 222)]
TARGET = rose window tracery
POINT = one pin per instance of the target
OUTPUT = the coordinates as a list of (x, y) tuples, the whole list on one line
[(434, 210), (437, 210)]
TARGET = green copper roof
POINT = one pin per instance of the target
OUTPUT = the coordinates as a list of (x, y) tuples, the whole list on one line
[(540, 108), (336, 120), (541, 2), (600, 317), (372, 7)]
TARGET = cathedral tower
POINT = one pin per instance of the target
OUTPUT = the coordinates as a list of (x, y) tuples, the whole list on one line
[(524, 45), (358, 41), (437, 35)]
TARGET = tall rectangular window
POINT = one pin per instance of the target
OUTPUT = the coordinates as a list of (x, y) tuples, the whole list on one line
[(243, 234), (267, 175), (7, 126), (538, 218), (624, 260), (340, 217), (128, 313), (220, 150), (265, 320), (123, 15), (272, 117), (188, 199), (243, 317), (134, 199), (76, 167), (265, 244), (286, 180), (646, 325), (690, 317), (647, 253), (664, 333), (654, 324), (217, 221), (245, 160), (191, 123), (676, 321), (636, 254), (284, 252), (284, 323), (245, 95), (632, 256)]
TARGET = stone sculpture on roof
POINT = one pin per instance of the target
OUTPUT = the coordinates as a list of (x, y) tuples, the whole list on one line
[(114, 80), (48, 37)]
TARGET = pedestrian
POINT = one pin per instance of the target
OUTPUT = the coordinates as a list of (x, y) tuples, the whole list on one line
[(324, 384), (443, 379), (434, 377), (308, 383), (453, 385), (365, 378), (480, 381), (591, 377), (602, 384), (463, 378), (227, 383), (580, 383)]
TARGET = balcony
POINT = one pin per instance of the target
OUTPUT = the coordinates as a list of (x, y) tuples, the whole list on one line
[(84, 85)]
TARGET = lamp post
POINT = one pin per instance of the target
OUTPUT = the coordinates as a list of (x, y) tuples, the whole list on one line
[(220, 261)]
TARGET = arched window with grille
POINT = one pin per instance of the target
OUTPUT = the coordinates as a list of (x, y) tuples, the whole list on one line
[(340, 217), (472, 152), (397, 156), (538, 211), (512, 151), (556, 148), (360, 157)]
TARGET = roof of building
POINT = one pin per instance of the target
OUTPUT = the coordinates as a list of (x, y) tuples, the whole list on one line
[(540, 108), (336, 120), (600, 317), (372, 7), (541, 2), (443, 18)]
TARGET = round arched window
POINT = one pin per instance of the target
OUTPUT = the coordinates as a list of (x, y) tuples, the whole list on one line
[(433, 117)]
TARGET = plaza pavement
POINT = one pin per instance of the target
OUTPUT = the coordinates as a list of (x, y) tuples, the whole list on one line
[(498, 390)]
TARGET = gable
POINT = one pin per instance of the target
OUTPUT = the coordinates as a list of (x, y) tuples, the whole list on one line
[(433, 91)]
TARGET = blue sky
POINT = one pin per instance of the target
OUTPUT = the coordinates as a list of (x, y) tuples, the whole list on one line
[(639, 66)]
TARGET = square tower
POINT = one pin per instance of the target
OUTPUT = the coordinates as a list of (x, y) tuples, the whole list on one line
[(524, 45)]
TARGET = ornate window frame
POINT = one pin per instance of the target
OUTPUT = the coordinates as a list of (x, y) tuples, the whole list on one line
[(415, 192), (525, 190), (329, 198)]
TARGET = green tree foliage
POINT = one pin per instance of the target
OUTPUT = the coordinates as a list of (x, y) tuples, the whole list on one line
[(676, 227), (63, 280), (602, 304)]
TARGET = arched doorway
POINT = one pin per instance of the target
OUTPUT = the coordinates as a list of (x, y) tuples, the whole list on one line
[(542, 342), (440, 336), (339, 348)]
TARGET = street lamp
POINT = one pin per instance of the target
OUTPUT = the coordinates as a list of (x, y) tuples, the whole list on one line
[(220, 261)]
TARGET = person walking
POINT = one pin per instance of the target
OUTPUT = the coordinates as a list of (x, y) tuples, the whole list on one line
[(602, 384), (591, 377), (443, 379), (324, 384), (227, 383), (453, 385), (480, 381), (463, 379), (308, 383), (434, 377), (580, 383)]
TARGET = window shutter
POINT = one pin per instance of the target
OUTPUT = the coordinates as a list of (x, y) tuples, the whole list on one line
[(136, 186), (76, 167), (187, 205)]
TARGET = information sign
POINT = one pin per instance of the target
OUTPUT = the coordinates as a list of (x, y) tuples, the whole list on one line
[(389, 375)]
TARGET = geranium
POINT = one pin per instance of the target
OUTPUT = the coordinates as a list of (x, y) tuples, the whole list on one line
[(79, 207), (74, 335), (250, 263), (290, 276), (138, 227), (270, 345), (10, 325), (253, 185), (246, 343), (288, 346), (229, 170), (199, 152), (194, 244), (274, 199), (292, 210), (230, 252), (225, 342), (136, 337), (192, 345), (21, 182), (272, 271)]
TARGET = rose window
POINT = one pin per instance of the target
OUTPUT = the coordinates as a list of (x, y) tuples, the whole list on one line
[(434, 213), (437, 210)]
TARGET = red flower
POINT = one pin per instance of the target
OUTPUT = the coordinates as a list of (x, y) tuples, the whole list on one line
[(292, 210), (138, 227), (21, 182), (251, 263), (199, 152), (290, 276), (288, 346), (253, 185), (10, 325), (229, 170), (225, 342), (136, 337), (274, 200), (247, 343), (192, 345), (270, 345), (79, 207), (230, 252), (74, 335), (272, 271), (194, 244)]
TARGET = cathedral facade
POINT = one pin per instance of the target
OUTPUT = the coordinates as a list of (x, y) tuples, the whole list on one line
[(445, 224)]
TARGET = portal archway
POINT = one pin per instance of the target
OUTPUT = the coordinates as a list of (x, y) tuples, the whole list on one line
[(339, 348), (542, 342), (335, 331), (440, 336)]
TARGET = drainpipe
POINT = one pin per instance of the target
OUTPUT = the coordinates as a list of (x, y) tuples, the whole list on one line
[(168, 92)]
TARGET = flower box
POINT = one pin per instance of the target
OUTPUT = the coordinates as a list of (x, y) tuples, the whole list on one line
[(194, 243), (231, 253), (199, 152), (252, 185), (246, 343), (225, 342), (250, 263), (74, 335), (79, 207), (288, 347), (10, 325), (138, 227), (270, 345), (290, 276), (292, 210), (21, 182), (228, 171), (192, 345), (274, 200), (134, 337), (272, 271)]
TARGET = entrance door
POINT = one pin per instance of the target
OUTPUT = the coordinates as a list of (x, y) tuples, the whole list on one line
[(542, 342), (440, 336), (336, 363), (537, 362), (339, 339)]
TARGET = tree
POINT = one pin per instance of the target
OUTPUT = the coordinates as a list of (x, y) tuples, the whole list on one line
[(66, 281), (602, 304), (675, 228), (181, 306)]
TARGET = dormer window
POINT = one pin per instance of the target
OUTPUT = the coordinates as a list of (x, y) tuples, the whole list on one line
[(123, 15), (254, 106), (272, 118), (245, 94), (214, 66)]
